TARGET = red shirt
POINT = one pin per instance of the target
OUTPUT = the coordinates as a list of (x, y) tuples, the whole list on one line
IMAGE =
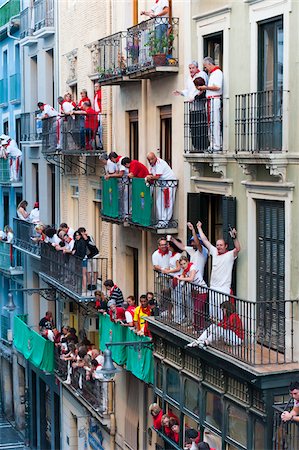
[(91, 119), (119, 314), (233, 323), (138, 169), (157, 420), (98, 100), (84, 99)]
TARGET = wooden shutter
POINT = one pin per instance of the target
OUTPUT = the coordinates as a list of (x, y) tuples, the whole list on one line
[(229, 218)]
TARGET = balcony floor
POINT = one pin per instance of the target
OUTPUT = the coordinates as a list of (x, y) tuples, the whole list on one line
[(60, 287)]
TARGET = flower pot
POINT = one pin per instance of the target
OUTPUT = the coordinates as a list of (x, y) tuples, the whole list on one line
[(159, 59)]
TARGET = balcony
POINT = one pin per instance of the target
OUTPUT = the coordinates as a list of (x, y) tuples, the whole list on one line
[(93, 392), (36, 349), (203, 133), (258, 122), (10, 260), (139, 204), (152, 48), (24, 232), (269, 327), (109, 59), (73, 135), (66, 273), (15, 88), (3, 93), (37, 21), (140, 364), (285, 435), (4, 171), (31, 127)]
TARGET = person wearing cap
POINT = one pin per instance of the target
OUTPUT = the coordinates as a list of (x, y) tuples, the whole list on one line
[(34, 214), (11, 150), (116, 313)]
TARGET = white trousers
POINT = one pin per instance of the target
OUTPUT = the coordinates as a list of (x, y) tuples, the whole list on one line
[(15, 168), (164, 211), (214, 333), (214, 114)]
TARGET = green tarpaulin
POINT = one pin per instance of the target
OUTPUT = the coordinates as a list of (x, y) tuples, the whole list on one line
[(140, 363), (110, 197), (141, 202), (33, 346)]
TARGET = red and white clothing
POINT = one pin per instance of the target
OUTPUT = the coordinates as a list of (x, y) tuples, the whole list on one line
[(67, 107), (197, 278), (159, 6), (118, 314), (230, 329), (190, 90), (165, 195), (214, 108), (84, 99), (110, 167), (129, 313), (161, 259), (69, 245), (91, 119), (48, 111), (198, 258), (138, 169), (70, 232), (98, 101), (15, 159), (174, 258)]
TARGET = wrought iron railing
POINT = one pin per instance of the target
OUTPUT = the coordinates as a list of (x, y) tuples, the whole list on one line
[(112, 57), (71, 273), (203, 125), (24, 237), (267, 330), (94, 392), (285, 434), (31, 126), (74, 134), (4, 171), (43, 14), (3, 91), (10, 258), (258, 121), (153, 43), (139, 203), (15, 87), (26, 23)]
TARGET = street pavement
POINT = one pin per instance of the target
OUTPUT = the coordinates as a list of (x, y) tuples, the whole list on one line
[(10, 439)]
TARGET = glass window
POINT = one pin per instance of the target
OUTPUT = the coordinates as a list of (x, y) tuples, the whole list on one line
[(173, 384), (212, 439), (237, 424), (191, 394), (259, 435), (188, 424), (214, 412), (159, 376)]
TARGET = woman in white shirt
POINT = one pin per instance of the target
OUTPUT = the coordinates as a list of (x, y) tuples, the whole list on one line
[(21, 211)]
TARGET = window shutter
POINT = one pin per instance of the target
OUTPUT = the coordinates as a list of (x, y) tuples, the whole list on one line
[(197, 209), (229, 218)]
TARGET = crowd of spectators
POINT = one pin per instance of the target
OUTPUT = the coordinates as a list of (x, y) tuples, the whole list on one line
[(6, 235), (9, 150)]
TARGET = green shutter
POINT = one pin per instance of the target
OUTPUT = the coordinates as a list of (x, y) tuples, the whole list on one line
[(229, 218), (141, 203), (110, 198)]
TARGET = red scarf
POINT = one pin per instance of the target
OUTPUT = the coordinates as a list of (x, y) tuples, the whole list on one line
[(213, 70), (112, 289), (162, 253), (185, 271)]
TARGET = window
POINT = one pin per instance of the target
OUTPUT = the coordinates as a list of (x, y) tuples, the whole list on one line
[(18, 131), (259, 435), (133, 134), (75, 205), (166, 133), (191, 396), (6, 209), (173, 384), (6, 127), (214, 411), (159, 376), (35, 183), (237, 425), (97, 228), (74, 92), (213, 47)]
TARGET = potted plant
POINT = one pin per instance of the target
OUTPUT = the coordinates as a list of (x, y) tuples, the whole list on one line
[(159, 48)]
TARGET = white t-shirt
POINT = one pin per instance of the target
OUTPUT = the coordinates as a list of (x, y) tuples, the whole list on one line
[(67, 107), (110, 167), (222, 268), (190, 90), (129, 317), (161, 260), (198, 278), (49, 111), (163, 169), (173, 260), (13, 150), (70, 232), (120, 167), (2, 235), (215, 79), (69, 245), (198, 258), (158, 7), (34, 215), (9, 237)]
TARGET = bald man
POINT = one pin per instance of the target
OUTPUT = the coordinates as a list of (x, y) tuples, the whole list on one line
[(160, 172)]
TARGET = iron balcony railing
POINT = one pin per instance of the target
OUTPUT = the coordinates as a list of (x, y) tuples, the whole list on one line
[(10, 258), (285, 434), (153, 43), (71, 274), (203, 125), (31, 126), (43, 14), (3, 91), (15, 87), (26, 23), (258, 121), (267, 328), (74, 134), (112, 63), (93, 391), (4, 171), (24, 237), (142, 204)]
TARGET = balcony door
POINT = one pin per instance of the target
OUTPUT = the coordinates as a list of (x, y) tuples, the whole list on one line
[(271, 272), (270, 85), (213, 47)]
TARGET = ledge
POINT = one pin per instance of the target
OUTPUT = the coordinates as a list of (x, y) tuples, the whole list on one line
[(215, 12)]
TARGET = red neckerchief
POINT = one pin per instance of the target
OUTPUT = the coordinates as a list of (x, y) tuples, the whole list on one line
[(187, 269), (213, 70), (162, 253), (173, 254), (118, 158), (112, 289), (220, 254)]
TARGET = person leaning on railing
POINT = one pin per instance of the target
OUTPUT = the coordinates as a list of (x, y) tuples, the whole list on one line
[(293, 415)]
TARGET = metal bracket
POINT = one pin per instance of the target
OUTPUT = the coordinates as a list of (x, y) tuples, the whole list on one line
[(48, 294)]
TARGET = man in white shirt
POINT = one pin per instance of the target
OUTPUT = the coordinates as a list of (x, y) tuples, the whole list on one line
[(214, 90), (190, 90), (160, 12), (222, 268), (49, 117), (165, 186), (46, 110), (161, 257), (12, 151)]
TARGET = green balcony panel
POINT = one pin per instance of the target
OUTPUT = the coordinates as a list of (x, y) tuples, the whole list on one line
[(141, 365), (8, 10), (15, 87), (4, 171), (5, 256), (110, 198), (33, 346), (141, 202), (3, 90)]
